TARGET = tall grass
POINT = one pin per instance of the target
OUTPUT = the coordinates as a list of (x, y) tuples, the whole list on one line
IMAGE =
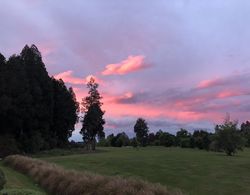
[(56, 180)]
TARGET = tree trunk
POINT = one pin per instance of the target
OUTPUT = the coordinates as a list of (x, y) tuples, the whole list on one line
[(87, 145), (93, 144)]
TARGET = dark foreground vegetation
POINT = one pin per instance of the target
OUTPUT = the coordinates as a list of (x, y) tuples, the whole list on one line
[(57, 180), (37, 112), (2, 179)]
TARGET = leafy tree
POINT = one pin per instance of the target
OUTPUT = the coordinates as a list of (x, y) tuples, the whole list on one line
[(141, 131), (201, 139), (228, 138), (111, 139), (151, 138), (245, 132), (92, 123), (122, 139), (166, 139), (183, 138)]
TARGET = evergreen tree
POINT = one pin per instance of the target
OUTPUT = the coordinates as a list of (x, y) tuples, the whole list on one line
[(36, 112), (141, 130), (66, 110), (92, 123), (245, 132), (41, 90)]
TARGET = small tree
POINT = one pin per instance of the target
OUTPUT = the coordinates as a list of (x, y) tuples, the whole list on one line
[(245, 132), (92, 123), (166, 139), (122, 139), (183, 138), (228, 138), (141, 131), (201, 139)]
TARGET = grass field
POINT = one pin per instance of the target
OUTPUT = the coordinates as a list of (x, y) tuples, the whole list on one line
[(192, 171), (18, 182)]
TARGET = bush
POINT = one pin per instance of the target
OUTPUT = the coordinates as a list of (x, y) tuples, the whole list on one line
[(8, 146), (185, 142), (228, 138), (2, 179)]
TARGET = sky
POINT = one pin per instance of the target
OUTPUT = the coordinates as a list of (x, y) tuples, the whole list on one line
[(176, 63)]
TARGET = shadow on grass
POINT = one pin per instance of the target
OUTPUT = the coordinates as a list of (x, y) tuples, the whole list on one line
[(66, 152), (223, 154)]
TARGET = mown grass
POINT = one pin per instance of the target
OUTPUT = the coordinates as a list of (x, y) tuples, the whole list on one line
[(64, 152), (57, 180), (18, 183), (192, 171)]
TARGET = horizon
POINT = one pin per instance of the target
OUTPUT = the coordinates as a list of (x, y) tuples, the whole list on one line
[(178, 64)]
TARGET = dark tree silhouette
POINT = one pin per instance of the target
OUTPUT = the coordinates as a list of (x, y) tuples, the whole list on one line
[(201, 139), (92, 123), (141, 131), (228, 138), (183, 138), (65, 112), (33, 106), (245, 132)]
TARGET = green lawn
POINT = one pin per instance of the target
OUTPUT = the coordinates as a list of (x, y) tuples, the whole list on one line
[(192, 171), (18, 182)]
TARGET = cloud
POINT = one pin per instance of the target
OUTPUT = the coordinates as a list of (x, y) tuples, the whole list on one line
[(209, 83), (206, 103), (68, 77), (131, 64), (234, 79)]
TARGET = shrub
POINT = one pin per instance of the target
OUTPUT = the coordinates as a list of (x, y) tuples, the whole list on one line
[(2, 179), (8, 146), (228, 138), (56, 180)]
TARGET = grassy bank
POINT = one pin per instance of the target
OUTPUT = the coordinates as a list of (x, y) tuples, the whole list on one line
[(193, 171), (56, 180), (18, 182)]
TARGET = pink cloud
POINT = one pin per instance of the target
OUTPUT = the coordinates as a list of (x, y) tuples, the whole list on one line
[(225, 94), (68, 77), (131, 64), (208, 83)]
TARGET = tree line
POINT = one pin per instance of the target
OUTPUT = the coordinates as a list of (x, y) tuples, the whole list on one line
[(37, 112), (228, 137)]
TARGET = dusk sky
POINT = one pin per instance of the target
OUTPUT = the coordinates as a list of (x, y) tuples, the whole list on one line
[(176, 63)]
